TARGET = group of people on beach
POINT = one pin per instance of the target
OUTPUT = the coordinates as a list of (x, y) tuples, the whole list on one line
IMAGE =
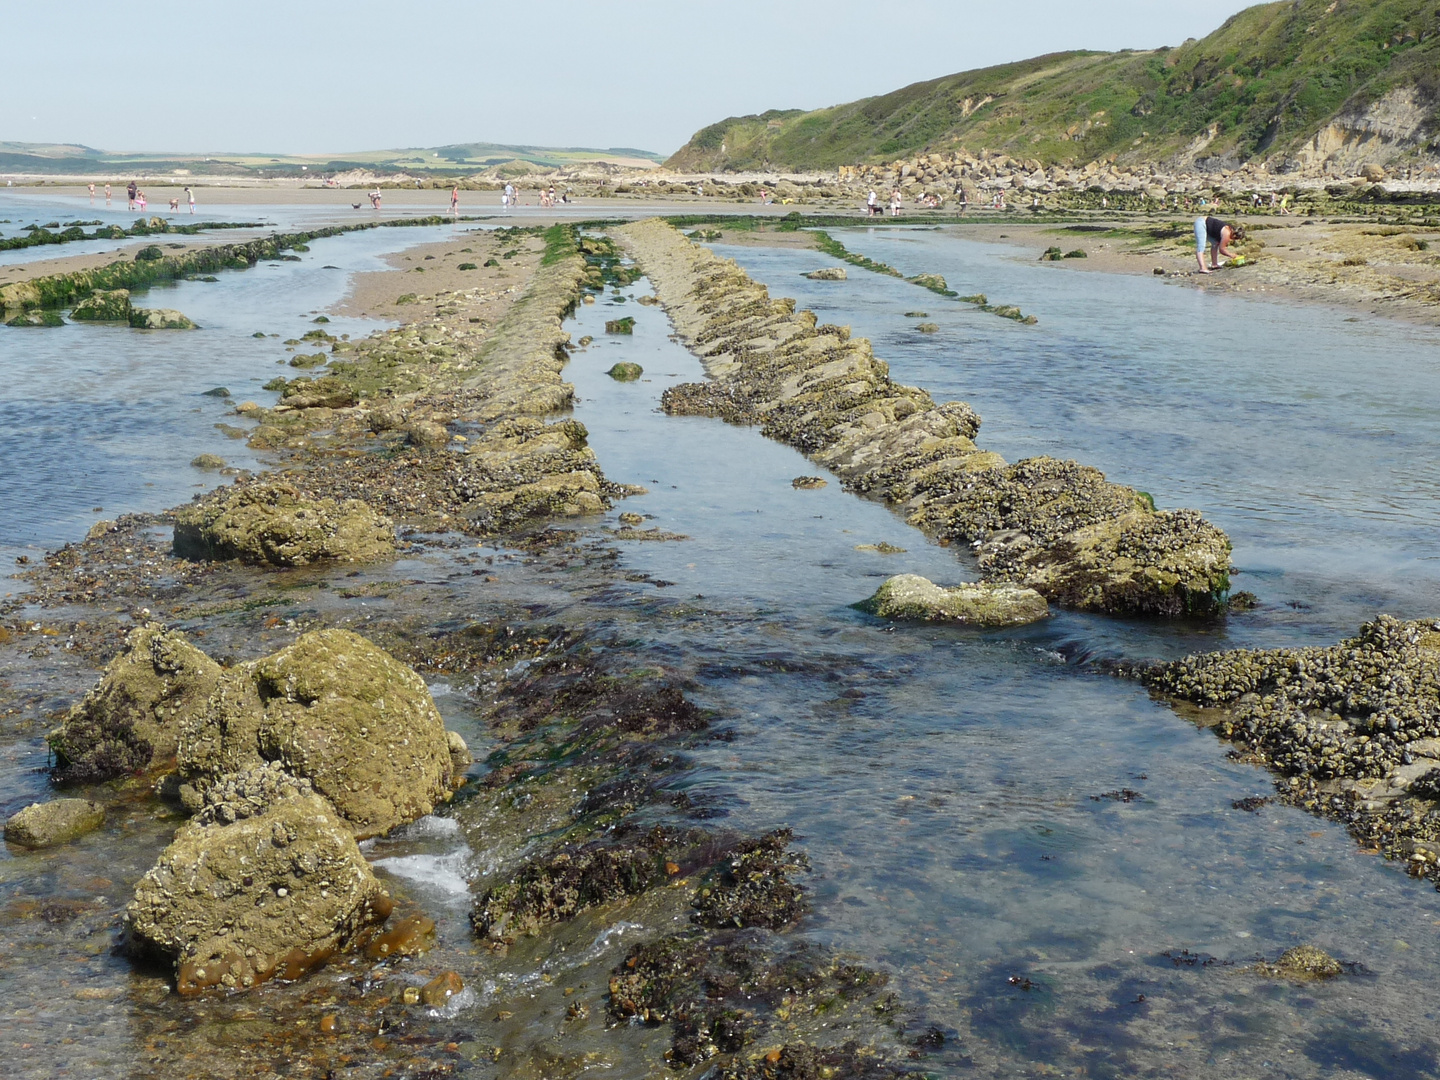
[(135, 198), (873, 206)]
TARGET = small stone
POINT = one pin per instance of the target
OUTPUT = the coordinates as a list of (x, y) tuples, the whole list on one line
[(632, 519), (411, 996), (58, 821), (441, 989), (218, 391), (207, 461), (928, 328)]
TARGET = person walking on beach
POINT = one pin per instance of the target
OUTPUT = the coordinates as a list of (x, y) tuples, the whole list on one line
[(92, 194), (455, 200), (189, 194), (1217, 235), (130, 195), (895, 202), (107, 194), (873, 203)]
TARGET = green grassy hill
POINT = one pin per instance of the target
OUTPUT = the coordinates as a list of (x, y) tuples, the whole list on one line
[(459, 159), (1264, 85)]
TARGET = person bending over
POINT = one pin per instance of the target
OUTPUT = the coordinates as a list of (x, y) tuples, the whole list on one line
[(1217, 235)]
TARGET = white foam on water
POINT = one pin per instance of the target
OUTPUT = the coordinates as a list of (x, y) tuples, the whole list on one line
[(429, 827), (457, 1003), (443, 873), (439, 689)]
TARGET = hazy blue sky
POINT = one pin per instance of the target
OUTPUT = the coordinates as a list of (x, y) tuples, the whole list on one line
[(325, 76)]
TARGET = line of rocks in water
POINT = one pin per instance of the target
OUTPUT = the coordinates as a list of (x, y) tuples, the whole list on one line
[(1057, 527), (41, 235)]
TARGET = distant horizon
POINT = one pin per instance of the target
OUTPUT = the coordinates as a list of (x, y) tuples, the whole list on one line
[(18, 146), (648, 74)]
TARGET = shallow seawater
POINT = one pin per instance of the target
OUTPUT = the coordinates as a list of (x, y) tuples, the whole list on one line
[(962, 795), (957, 790), (97, 419)]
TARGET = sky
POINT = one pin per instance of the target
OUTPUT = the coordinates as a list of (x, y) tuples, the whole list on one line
[(328, 76)]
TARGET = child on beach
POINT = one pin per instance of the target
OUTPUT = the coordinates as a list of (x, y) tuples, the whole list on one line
[(140, 200), (174, 204)]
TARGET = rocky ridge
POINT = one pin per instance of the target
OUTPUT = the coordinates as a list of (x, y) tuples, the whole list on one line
[(1057, 527)]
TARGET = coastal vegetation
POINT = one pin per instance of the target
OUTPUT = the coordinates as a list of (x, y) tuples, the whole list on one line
[(1264, 85)]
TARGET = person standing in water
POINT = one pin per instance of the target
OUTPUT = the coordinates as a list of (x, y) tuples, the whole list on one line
[(189, 194), (1217, 235), (107, 194), (130, 195), (92, 194), (455, 200)]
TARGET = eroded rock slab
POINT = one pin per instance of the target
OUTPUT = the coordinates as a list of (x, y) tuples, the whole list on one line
[(59, 821), (910, 596)]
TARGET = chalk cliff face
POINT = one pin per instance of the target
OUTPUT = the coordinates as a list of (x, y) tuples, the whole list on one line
[(1301, 84)]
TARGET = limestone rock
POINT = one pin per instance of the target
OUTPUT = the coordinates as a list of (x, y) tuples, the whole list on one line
[(207, 461), (338, 711), (909, 596), (828, 273), (55, 822), (325, 392), (266, 882), (159, 319), (133, 715), (104, 305), (1372, 172), (274, 523)]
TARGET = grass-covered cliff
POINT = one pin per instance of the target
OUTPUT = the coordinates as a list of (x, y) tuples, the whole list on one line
[(1298, 81)]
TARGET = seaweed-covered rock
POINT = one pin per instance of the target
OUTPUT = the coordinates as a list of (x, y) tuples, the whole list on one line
[(625, 372), (620, 326), (36, 318), (134, 714), (337, 711), (104, 305), (910, 596), (46, 824), (1303, 963), (275, 524), (753, 888), (266, 882), (828, 273), (159, 319), (558, 886), (326, 392)]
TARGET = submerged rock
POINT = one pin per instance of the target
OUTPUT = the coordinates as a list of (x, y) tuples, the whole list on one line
[(625, 372), (620, 326), (909, 596), (37, 318), (275, 524), (55, 822), (159, 319), (266, 882), (207, 461), (104, 305), (337, 711), (808, 483), (133, 716), (1303, 963), (828, 273)]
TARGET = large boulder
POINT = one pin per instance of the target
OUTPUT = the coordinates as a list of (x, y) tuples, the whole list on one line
[(104, 305), (133, 715), (274, 523), (910, 596), (828, 273), (58, 821), (334, 709), (159, 319), (265, 882)]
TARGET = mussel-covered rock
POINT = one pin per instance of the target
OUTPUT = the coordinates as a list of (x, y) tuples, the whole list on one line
[(910, 596), (133, 715), (276, 524), (266, 882)]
